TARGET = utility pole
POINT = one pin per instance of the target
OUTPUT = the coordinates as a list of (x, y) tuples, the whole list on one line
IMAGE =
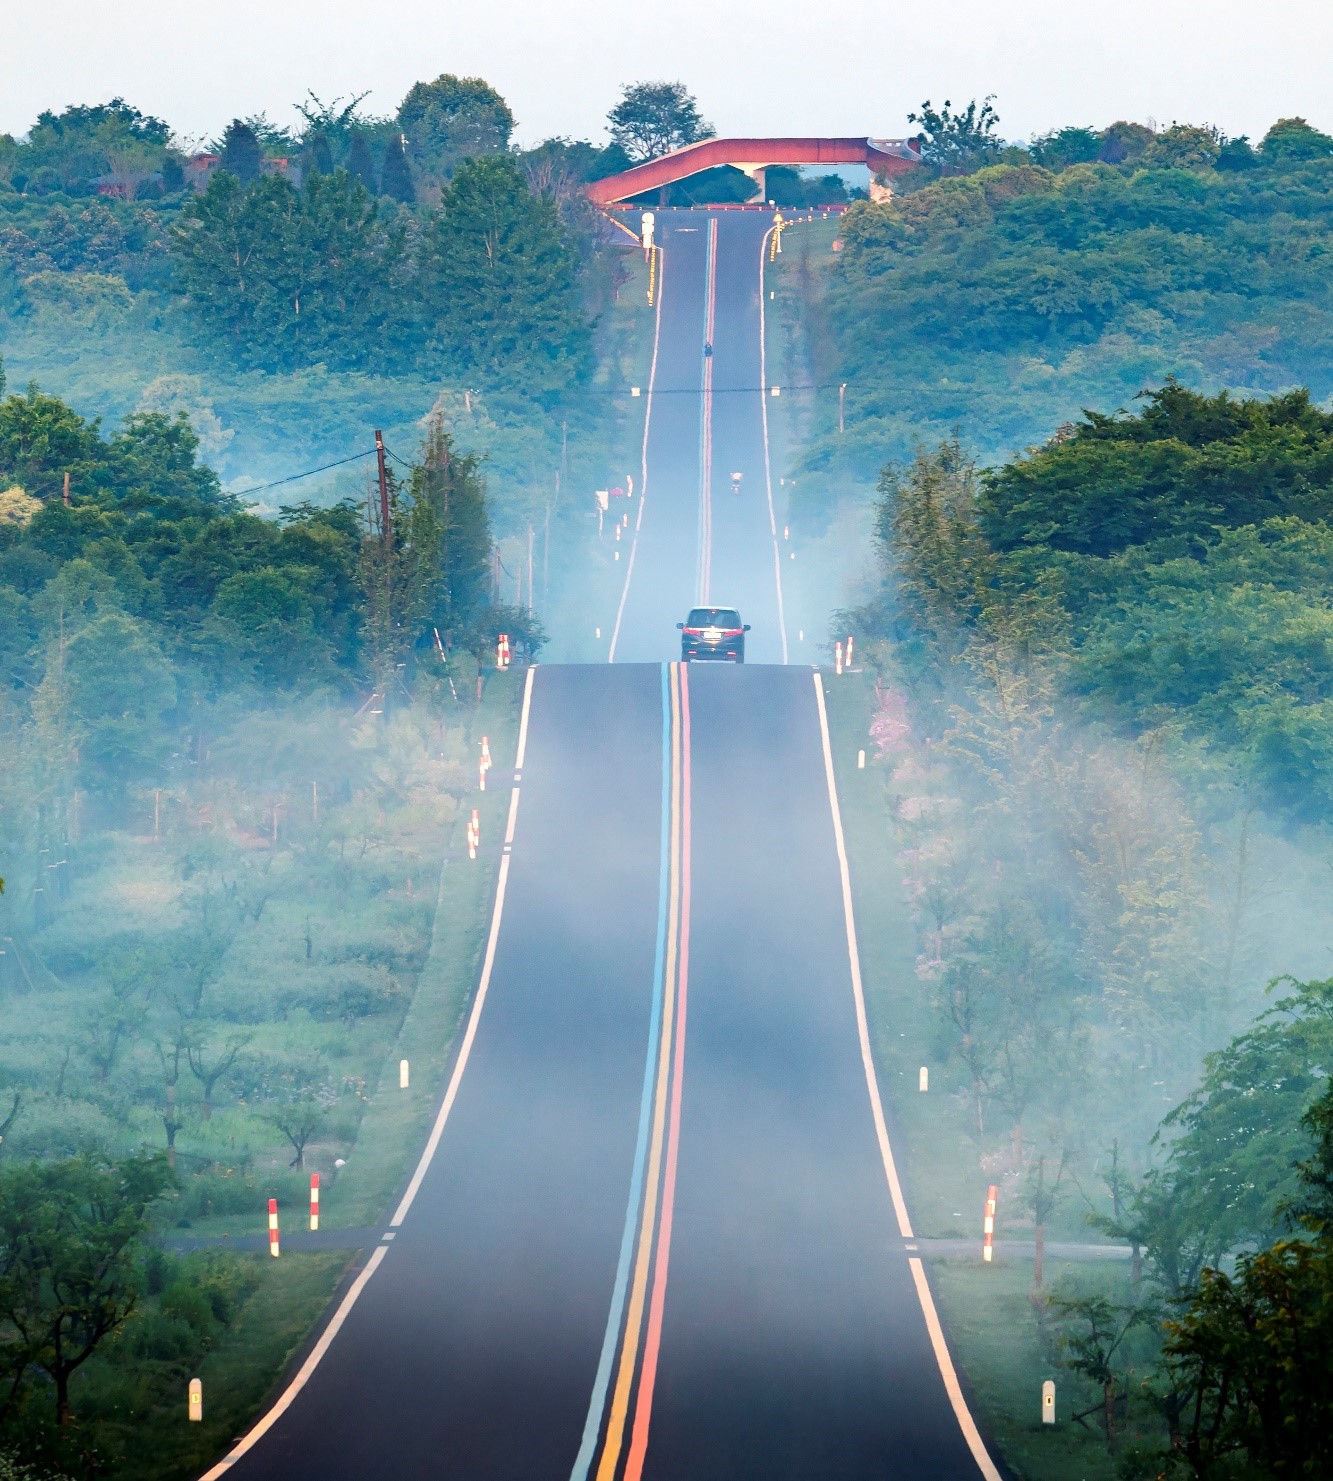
[(386, 533), (66, 494), (564, 449), (842, 391), (529, 567)]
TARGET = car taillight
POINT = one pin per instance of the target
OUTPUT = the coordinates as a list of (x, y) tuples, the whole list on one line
[(693, 632), (732, 632)]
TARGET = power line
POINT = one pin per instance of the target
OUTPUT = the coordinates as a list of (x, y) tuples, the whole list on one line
[(309, 473)]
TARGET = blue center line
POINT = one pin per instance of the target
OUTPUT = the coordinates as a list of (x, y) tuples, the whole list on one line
[(597, 1407)]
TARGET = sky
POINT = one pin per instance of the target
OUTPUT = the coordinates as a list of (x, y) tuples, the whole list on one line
[(756, 68)]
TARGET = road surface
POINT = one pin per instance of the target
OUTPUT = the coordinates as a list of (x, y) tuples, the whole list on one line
[(657, 1233)]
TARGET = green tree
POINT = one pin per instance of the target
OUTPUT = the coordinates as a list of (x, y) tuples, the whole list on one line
[(241, 154), (451, 120), (653, 118), (361, 163), (497, 282), (71, 1239), (41, 438), (120, 687), (957, 142), (396, 179), (1251, 1353), (1292, 140)]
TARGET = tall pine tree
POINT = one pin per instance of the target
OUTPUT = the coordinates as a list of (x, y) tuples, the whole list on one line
[(241, 153), (361, 163), (396, 181)]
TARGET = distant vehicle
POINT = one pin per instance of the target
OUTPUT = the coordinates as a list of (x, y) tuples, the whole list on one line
[(713, 632), (708, 349), (735, 483)]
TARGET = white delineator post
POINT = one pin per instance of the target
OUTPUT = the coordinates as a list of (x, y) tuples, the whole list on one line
[(860, 761), (923, 1080), (837, 657), (473, 834), (403, 1076), (850, 641), (988, 1224), (314, 1200), (273, 1227), (1048, 1402), (196, 1401)]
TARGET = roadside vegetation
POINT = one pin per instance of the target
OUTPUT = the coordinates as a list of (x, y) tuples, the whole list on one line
[(235, 754), (1004, 288), (1097, 718)]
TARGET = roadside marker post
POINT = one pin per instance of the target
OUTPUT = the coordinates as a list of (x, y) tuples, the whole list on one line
[(403, 1074), (837, 657), (314, 1201), (850, 641), (988, 1224), (196, 1401), (923, 1080), (273, 1227), (860, 761), (1048, 1402)]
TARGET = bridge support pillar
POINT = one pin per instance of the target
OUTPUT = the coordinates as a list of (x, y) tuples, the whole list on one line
[(759, 174)]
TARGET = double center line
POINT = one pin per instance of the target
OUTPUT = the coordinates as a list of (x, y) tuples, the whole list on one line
[(616, 1428)]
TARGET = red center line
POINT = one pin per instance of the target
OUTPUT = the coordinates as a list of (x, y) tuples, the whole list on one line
[(653, 1340)]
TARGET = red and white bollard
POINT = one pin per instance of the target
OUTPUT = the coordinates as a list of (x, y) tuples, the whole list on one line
[(502, 651), (486, 752), (849, 652), (314, 1200), (473, 834), (273, 1227), (837, 658), (988, 1224)]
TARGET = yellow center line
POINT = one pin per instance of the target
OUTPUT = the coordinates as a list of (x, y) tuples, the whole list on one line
[(629, 1351)]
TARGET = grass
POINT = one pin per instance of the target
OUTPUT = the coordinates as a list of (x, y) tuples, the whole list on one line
[(239, 1374), (396, 1121), (989, 1315)]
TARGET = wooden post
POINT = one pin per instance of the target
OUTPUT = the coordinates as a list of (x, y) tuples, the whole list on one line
[(386, 533), (66, 494)]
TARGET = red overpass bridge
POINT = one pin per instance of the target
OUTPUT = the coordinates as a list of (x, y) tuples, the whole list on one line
[(883, 157)]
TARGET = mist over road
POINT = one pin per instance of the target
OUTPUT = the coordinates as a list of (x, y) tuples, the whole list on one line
[(658, 1236)]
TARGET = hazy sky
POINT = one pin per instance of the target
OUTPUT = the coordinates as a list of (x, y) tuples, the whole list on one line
[(758, 68)]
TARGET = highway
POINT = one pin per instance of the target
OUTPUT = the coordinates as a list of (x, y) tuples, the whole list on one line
[(657, 1231)]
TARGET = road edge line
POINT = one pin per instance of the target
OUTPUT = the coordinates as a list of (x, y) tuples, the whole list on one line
[(943, 1358), (768, 463), (285, 1400), (643, 457)]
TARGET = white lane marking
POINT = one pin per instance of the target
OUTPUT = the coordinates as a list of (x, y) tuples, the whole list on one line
[(284, 1402), (768, 466), (479, 1002), (285, 1399), (962, 1413), (943, 1361), (643, 460)]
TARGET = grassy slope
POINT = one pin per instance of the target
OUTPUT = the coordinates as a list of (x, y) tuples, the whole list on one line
[(240, 1374)]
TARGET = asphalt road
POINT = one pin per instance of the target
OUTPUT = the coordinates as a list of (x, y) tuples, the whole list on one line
[(656, 1238), (700, 542)]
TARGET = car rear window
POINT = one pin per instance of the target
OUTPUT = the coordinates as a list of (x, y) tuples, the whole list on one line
[(714, 617)]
